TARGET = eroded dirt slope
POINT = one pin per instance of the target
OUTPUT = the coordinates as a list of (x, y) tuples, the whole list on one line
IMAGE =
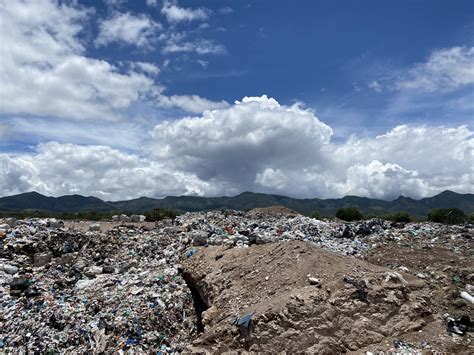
[(307, 299)]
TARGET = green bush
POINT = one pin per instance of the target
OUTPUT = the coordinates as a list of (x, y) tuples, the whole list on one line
[(349, 214), (400, 217), (470, 218), (316, 215), (446, 215)]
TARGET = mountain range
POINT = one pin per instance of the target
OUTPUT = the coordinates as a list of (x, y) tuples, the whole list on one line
[(243, 201)]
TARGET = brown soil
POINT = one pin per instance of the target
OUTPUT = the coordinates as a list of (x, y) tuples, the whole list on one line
[(357, 306)]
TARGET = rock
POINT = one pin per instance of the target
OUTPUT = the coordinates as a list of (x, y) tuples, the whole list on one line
[(93, 271), (82, 284), (199, 238), (108, 269), (9, 269), (421, 276), (19, 283), (80, 265), (42, 259)]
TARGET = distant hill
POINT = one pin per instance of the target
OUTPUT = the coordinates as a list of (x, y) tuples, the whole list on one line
[(244, 201)]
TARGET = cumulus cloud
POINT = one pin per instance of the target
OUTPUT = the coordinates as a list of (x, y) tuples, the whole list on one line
[(137, 30), (445, 69), (256, 144), (233, 144), (45, 73), (56, 169), (271, 179), (190, 103), (174, 13), (259, 144)]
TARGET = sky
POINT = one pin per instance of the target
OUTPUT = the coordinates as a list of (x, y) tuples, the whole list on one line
[(120, 99)]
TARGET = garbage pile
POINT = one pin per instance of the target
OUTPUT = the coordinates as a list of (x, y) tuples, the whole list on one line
[(77, 290), (66, 290), (239, 229), (126, 219)]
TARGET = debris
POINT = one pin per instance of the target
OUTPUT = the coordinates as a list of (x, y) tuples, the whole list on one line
[(467, 297), (458, 325), (314, 281), (120, 289), (94, 227)]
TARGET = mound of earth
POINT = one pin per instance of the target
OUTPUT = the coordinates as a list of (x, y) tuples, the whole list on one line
[(302, 298)]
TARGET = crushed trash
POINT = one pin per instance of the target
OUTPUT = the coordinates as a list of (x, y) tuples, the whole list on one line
[(83, 287)]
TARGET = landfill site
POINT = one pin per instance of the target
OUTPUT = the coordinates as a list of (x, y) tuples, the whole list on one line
[(267, 280)]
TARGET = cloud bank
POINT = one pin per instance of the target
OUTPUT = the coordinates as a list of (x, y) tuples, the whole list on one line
[(255, 144)]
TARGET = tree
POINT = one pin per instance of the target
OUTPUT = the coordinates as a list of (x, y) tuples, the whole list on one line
[(349, 214), (447, 215)]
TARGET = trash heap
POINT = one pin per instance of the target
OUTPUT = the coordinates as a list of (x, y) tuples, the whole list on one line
[(239, 229), (65, 290)]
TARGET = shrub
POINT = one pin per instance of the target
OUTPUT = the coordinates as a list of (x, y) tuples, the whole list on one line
[(349, 214), (400, 217), (446, 215), (316, 215), (471, 218)]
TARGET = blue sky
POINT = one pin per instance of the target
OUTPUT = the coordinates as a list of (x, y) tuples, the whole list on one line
[(318, 52), (116, 74)]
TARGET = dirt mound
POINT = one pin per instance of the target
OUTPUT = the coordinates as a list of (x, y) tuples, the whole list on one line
[(302, 298), (274, 210)]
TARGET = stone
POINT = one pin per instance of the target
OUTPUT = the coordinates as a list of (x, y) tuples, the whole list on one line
[(108, 269), (9, 269), (42, 259), (199, 238), (93, 271), (19, 283)]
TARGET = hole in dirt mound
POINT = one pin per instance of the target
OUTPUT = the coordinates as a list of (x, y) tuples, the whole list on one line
[(199, 305)]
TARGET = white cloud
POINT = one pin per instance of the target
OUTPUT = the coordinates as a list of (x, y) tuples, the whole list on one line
[(203, 63), (232, 145), (374, 85), (226, 10), (200, 46), (257, 144), (56, 169), (45, 73), (146, 67), (190, 103), (271, 179), (445, 69), (127, 28), (151, 3), (175, 14)]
